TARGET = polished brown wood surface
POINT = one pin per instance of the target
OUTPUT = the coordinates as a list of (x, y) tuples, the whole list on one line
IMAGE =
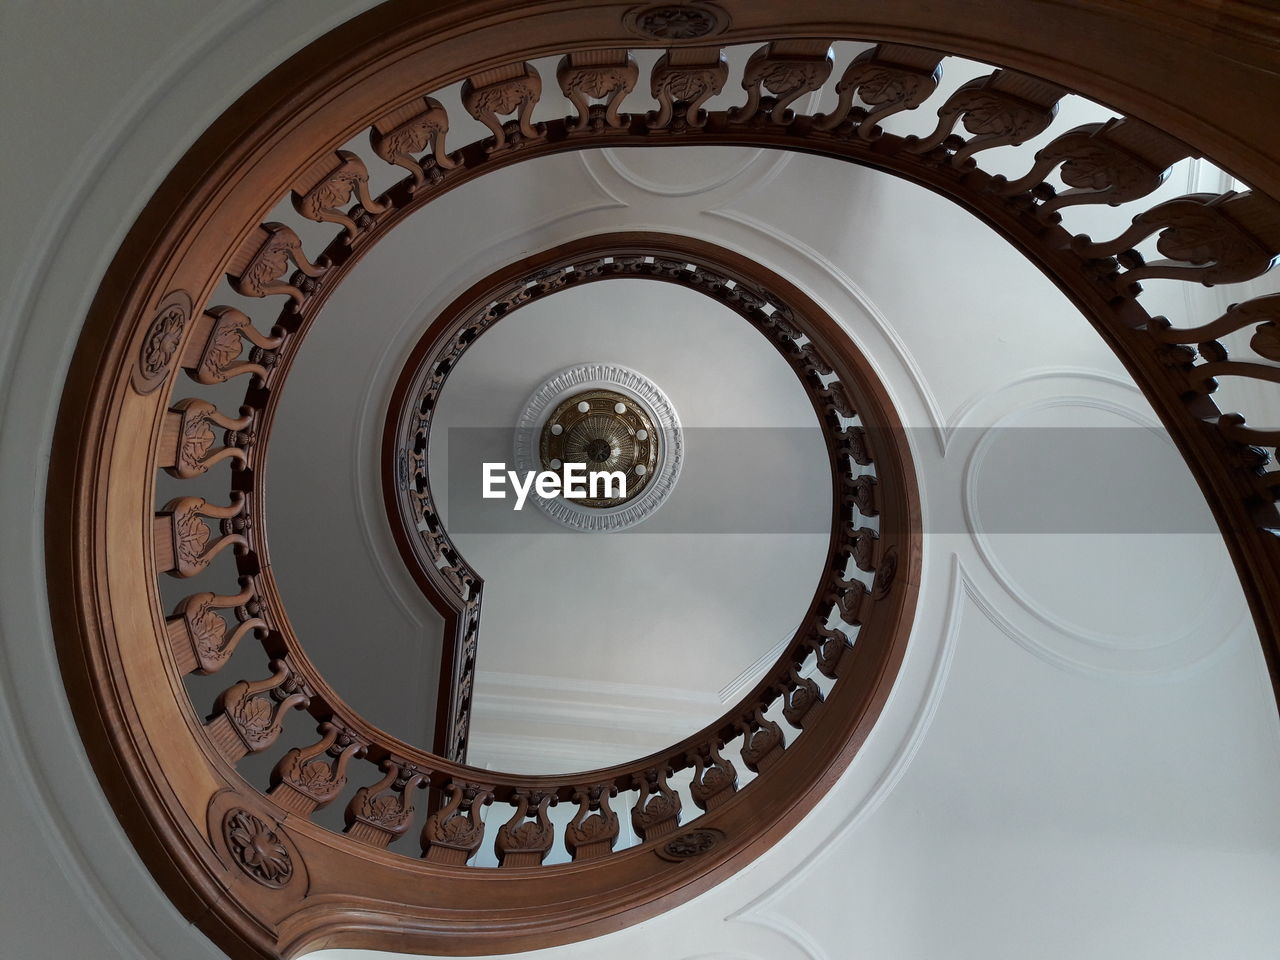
[(251, 867)]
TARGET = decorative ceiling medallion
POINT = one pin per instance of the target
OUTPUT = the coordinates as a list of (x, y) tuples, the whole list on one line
[(610, 418), (677, 21)]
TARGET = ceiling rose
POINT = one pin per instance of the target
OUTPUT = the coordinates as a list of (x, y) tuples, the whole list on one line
[(610, 418)]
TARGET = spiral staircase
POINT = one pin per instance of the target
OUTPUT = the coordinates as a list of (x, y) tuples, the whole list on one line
[(997, 679)]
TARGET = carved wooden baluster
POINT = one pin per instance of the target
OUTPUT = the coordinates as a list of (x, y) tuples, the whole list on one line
[(187, 436), (862, 548), (1206, 238), (248, 716), (1112, 163), (595, 827), (263, 258), (327, 186), (830, 646), (890, 78), (802, 700), (788, 69), (860, 492), (657, 810), (181, 536), (600, 75), (837, 400), (763, 742), (213, 352), (1264, 311), (852, 442), (683, 79), (714, 778), (849, 598), (198, 635), (379, 813), (411, 129), (454, 833), (495, 93), (1005, 108), (522, 842), (301, 783)]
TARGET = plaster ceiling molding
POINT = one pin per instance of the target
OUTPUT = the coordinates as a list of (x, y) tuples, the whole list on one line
[(783, 246), (649, 397), (1151, 593)]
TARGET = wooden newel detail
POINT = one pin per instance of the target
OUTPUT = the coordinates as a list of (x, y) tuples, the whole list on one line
[(763, 742), (260, 263), (522, 842), (594, 829), (328, 185), (198, 634), (249, 715), (1005, 108), (302, 783), (802, 700), (683, 80), (890, 78), (217, 340), (1205, 237), (412, 129), (187, 437), (860, 492), (607, 75), (862, 549), (657, 810), (492, 94), (1112, 163), (715, 779), (379, 813), (454, 833), (181, 536), (787, 69)]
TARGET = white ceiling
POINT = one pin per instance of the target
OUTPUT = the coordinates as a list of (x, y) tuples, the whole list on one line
[(1067, 768)]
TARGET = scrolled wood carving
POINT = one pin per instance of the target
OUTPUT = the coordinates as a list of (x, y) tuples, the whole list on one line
[(410, 129), (198, 634), (379, 813), (307, 778), (1004, 108), (1205, 237), (257, 268), (247, 716), (690, 844), (682, 81), (455, 832), (594, 829), (188, 436), (161, 341), (181, 536), (495, 93), (657, 811), (890, 78), (607, 75), (763, 742), (522, 842), (787, 69), (714, 777), (803, 696), (327, 186), (1112, 163)]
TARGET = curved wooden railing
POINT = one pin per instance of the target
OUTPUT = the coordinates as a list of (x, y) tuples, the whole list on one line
[(203, 826)]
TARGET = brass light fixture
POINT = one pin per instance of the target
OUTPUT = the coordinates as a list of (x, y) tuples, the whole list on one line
[(606, 431)]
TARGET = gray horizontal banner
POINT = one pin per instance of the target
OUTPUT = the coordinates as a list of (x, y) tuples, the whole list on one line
[(740, 480)]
